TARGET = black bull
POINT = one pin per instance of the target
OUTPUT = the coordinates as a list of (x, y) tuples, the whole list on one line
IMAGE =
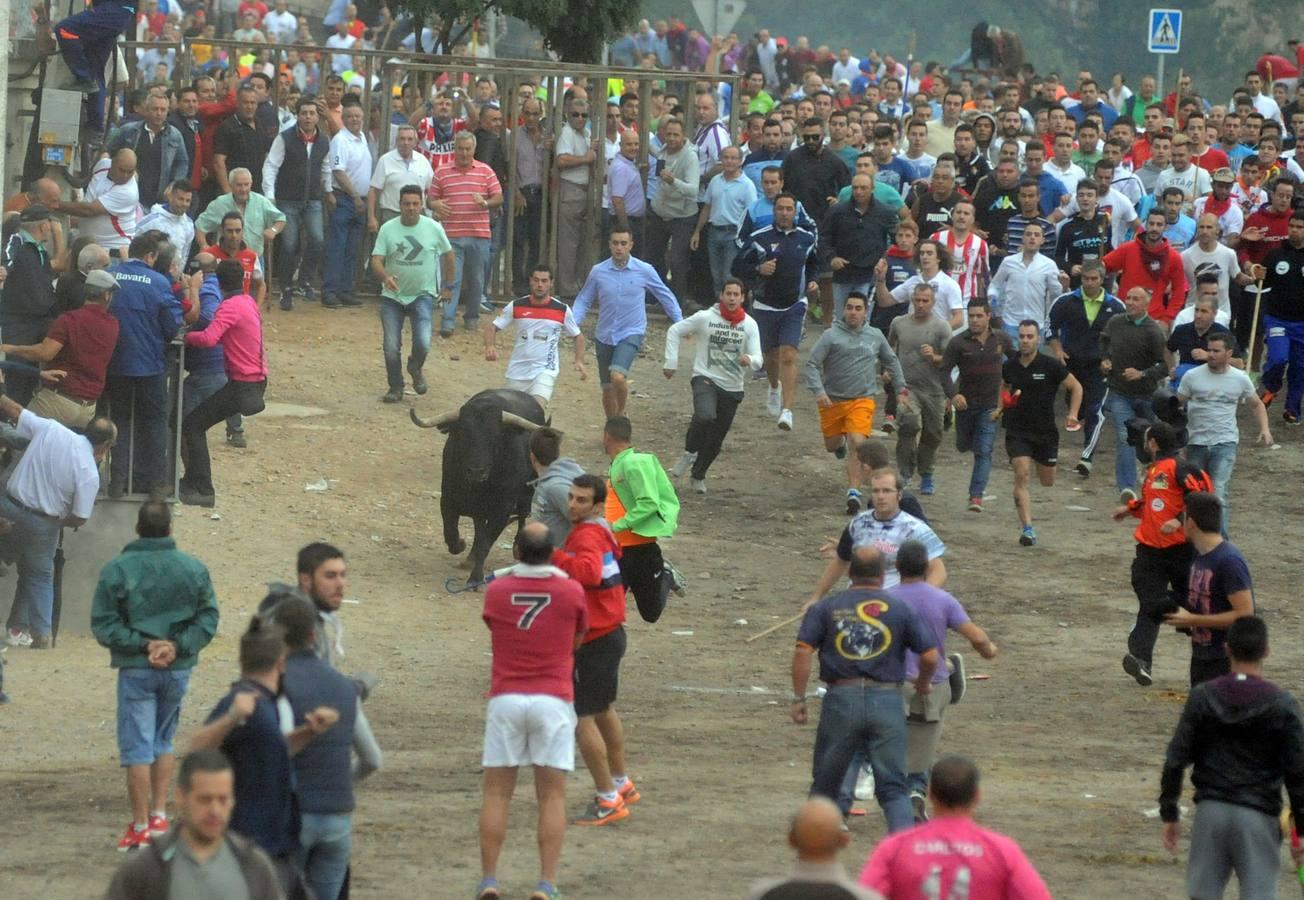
[(487, 471)]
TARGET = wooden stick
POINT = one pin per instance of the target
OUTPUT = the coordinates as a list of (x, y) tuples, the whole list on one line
[(774, 628), (1254, 325)]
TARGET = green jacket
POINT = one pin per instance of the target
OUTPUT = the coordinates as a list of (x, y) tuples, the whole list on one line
[(651, 505), (153, 591)]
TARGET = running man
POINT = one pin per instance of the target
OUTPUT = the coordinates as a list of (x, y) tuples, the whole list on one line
[(919, 341), (979, 353), (727, 341), (1031, 383), (540, 319), (932, 261), (842, 372), (781, 265), (619, 285)]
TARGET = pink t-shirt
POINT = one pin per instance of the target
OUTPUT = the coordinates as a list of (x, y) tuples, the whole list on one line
[(534, 616), (238, 326), (951, 856)]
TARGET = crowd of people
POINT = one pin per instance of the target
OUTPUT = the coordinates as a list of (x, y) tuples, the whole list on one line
[(977, 248)]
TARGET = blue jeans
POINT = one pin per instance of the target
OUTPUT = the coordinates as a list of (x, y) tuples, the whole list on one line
[(325, 842), (721, 250), (975, 430), (842, 288), (31, 542), (392, 313), (199, 386), (303, 231), (345, 238), (1122, 409), (469, 257), (1283, 347), (149, 708), (141, 401), (858, 717), (1218, 460)]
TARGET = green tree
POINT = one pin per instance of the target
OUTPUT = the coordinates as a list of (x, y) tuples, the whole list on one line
[(574, 29)]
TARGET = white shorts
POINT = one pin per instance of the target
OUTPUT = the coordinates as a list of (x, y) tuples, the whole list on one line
[(539, 386), (529, 730)]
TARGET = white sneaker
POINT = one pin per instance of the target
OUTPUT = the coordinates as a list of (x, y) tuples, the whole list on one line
[(16, 638), (698, 484), (685, 463), (774, 402), (865, 783), (785, 420)]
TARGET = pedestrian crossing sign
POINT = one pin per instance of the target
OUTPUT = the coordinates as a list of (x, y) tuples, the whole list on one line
[(1165, 34)]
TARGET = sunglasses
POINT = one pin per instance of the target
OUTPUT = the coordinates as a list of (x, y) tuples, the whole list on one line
[(579, 115), (812, 137)]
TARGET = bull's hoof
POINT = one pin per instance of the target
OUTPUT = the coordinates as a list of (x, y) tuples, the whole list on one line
[(457, 547), (475, 579)]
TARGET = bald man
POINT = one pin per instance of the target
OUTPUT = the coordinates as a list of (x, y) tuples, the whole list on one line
[(817, 835), (43, 190), (108, 214)]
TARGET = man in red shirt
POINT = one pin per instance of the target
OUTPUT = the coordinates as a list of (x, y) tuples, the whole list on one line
[(591, 557), (231, 245), (536, 617), (1265, 230), (80, 344), (1150, 262)]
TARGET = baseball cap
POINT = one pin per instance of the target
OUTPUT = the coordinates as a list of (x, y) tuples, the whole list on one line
[(99, 280), (36, 212), (1225, 175)]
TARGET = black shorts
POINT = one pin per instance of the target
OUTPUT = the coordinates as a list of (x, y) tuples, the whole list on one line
[(1043, 450), (597, 673)]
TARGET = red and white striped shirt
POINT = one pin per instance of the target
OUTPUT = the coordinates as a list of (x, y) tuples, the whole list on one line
[(457, 187), (435, 141), (970, 264)]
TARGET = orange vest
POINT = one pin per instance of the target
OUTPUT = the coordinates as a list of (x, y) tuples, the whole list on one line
[(1163, 497)]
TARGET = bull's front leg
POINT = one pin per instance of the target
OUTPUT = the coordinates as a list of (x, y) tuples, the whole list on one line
[(452, 538), (487, 530)]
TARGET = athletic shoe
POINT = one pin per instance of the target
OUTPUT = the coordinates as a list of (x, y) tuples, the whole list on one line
[(132, 839), (418, 380), (785, 420), (445, 332), (774, 402), (603, 812), (864, 783), (17, 638), (1266, 395), (330, 301), (919, 806), (486, 306), (487, 889), (975, 504), (959, 683), (1290, 418), (1028, 537), (678, 583), (236, 439), (158, 824), (841, 451), (698, 485), (629, 793), (926, 486), (350, 301), (1138, 670), (42, 642), (545, 890), (287, 300), (853, 501), (856, 811), (306, 292), (889, 425), (686, 460), (1127, 495), (1083, 468)]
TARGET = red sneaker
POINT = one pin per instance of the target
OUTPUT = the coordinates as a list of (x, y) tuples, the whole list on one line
[(629, 793), (158, 824), (133, 839)]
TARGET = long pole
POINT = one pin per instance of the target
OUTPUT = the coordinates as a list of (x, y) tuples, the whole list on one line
[(1160, 78)]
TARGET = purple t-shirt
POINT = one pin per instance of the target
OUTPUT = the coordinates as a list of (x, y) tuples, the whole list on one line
[(937, 611)]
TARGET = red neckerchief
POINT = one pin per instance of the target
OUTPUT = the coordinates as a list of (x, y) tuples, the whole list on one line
[(1216, 207), (733, 318)]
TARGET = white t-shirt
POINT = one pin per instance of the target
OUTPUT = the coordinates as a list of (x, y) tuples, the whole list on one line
[(1220, 261), (946, 291), (538, 334), (1194, 182), (57, 473), (117, 226), (281, 26), (351, 154), (1231, 221), (341, 62), (1211, 404)]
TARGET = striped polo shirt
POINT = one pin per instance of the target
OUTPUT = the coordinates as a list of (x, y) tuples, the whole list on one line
[(456, 187)]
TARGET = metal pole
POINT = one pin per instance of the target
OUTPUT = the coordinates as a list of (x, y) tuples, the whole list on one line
[(386, 108), (508, 254), (1160, 79), (4, 94), (558, 98)]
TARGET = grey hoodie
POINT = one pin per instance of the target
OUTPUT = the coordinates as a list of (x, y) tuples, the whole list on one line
[(552, 496), (845, 362)]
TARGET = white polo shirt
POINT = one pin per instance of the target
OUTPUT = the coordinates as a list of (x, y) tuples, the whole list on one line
[(57, 473), (393, 172), (351, 155)]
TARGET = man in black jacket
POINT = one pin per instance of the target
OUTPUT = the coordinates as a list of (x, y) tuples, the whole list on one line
[(27, 307), (1244, 738), (854, 237)]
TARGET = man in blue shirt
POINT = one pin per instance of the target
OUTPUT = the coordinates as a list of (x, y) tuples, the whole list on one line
[(1051, 192), (1092, 105), (770, 153), (148, 318), (620, 284), (861, 636)]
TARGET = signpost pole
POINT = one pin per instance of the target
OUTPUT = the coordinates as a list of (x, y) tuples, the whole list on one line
[(1159, 76)]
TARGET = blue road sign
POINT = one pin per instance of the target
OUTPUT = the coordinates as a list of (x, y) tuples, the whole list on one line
[(1165, 33)]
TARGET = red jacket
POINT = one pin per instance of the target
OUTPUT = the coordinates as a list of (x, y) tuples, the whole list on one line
[(1158, 270), (590, 556), (1277, 225), (211, 115)]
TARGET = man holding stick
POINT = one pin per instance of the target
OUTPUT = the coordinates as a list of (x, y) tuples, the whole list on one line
[(1281, 276)]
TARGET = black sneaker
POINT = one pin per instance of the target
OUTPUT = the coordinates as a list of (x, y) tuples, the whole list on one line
[(350, 301), (236, 439), (1138, 670), (418, 381), (330, 301), (1083, 468), (287, 300), (41, 642), (841, 451), (192, 497)]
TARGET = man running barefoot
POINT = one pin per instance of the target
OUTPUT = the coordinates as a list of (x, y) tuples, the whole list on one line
[(1032, 382), (842, 371)]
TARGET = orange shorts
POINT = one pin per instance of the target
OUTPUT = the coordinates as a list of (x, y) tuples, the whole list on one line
[(854, 416)]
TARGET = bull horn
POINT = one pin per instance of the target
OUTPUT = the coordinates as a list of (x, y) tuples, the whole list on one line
[(447, 418), (519, 421)]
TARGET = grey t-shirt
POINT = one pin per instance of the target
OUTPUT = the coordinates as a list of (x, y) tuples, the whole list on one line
[(1211, 402), (906, 335), (219, 878)]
